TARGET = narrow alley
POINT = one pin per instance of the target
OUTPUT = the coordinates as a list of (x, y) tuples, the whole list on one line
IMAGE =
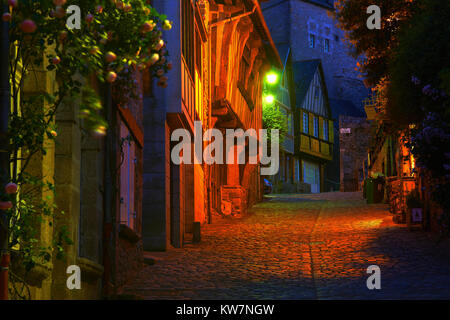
[(301, 247)]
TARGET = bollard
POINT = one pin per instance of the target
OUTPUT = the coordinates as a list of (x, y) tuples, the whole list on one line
[(197, 235)]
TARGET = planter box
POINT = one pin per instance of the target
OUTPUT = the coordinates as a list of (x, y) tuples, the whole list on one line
[(233, 200)]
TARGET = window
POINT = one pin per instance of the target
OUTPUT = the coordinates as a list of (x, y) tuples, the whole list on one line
[(326, 45), (246, 87), (312, 41), (127, 177), (198, 53), (325, 130), (305, 122), (187, 31), (316, 127)]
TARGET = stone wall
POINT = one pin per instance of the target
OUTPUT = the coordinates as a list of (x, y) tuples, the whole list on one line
[(354, 143), (155, 176), (279, 27), (129, 255), (338, 65), (291, 22)]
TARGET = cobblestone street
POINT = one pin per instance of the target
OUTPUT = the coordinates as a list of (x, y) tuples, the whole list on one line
[(301, 247)]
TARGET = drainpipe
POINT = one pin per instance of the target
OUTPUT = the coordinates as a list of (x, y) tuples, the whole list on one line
[(108, 198), (209, 119), (285, 62), (5, 105)]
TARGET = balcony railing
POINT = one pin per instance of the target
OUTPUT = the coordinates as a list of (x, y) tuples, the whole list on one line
[(316, 147), (283, 96), (375, 107)]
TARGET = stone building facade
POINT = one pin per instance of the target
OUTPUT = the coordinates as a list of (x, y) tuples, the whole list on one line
[(106, 232), (311, 31), (308, 27), (354, 138)]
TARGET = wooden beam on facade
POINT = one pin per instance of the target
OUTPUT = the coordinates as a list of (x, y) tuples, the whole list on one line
[(231, 124), (219, 112)]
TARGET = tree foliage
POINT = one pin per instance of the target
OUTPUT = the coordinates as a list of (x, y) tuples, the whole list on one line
[(420, 65), (374, 45), (274, 119), (408, 62)]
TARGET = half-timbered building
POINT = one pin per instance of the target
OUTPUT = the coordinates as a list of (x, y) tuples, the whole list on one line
[(314, 139), (242, 53), (216, 80)]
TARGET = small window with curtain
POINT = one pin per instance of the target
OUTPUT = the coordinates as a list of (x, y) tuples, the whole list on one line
[(305, 122)]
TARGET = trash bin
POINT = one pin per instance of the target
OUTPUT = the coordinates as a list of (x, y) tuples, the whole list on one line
[(368, 190), (364, 187)]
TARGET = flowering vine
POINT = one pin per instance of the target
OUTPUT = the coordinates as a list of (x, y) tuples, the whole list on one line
[(430, 145), (116, 41)]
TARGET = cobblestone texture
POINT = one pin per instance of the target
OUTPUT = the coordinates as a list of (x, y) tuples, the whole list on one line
[(301, 247)]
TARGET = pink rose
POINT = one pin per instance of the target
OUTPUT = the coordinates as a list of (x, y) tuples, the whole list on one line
[(11, 188), (5, 205)]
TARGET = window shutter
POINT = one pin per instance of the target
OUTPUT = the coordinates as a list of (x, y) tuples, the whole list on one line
[(311, 124), (331, 130)]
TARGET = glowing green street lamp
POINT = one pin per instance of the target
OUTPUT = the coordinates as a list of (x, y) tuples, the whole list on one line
[(269, 99), (272, 78)]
